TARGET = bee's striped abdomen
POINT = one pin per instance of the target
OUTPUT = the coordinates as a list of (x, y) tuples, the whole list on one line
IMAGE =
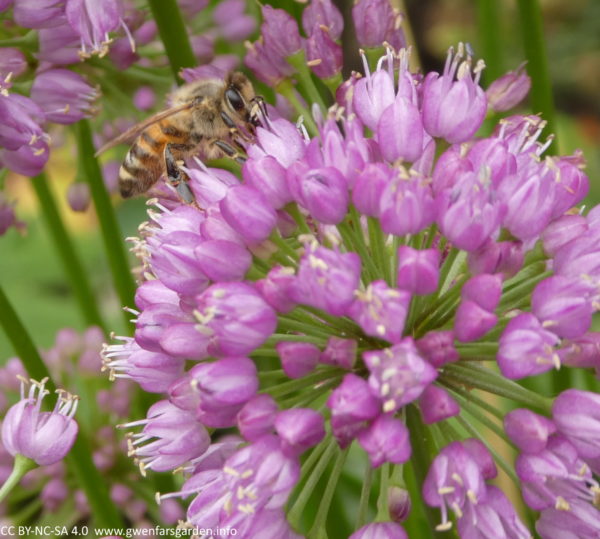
[(145, 161), (142, 165)]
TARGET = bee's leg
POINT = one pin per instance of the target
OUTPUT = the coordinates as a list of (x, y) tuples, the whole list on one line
[(177, 178), (230, 151), (258, 109), (234, 131)]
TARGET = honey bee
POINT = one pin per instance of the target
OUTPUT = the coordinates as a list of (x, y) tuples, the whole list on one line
[(208, 117)]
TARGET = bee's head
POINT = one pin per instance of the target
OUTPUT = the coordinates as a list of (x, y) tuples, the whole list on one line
[(240, 97)]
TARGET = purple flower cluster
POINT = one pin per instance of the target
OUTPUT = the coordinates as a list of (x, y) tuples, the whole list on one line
[(457, 481), (85, 21), (71, 31), (57, 95), (350, 279), (558, 461), (376, 23), (47, 436)]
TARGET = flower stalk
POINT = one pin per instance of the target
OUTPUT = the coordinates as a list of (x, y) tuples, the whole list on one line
[(537, 64), (78, 277), (79, 458), (487, 380), (174, 35), (319, 464), (21, 466), (318, 529), (111, 233)]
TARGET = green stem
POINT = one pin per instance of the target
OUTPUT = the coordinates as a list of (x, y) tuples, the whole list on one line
[(298, 61), (318, 527), (173, 34), (343, 323), (477, 414), (27, 42), (79, 458), (469, 396), (286, 89), (488, 23), (286, 249), (326, 451), (22, 342), (278, 337), (394, 261), (383, 510), (484, 378), (453, 266), (77, 276), (421, 459), (480, 350), (111, 233), (294, 211), (522, 292), (441, 309), (540, 95), (21, 466), (377, 245), (313, 329), (309, 399), (333, 83), (24, 514), (354, 242), (307, 381), (363, 505)]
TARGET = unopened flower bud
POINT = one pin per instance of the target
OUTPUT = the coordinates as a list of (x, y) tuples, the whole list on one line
[(528, 430), (297, 358), (399, 504), (300, 429), (78, 196), (509, 90), (418, 270), (257, 417)]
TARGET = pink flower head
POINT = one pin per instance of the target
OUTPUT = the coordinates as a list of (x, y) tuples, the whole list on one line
[(170, 438), (377, 23), (153, 371), (63, 95), (398, 375), (377, 530), (93, 20), (380, 311), (456, 481), (223, 387), (528, 430), (253, 482), (327, 279), (508, 90), (23, 142), (576, 414), (323, 12), (44, 437), (526, 348), (386, 440), (352, 406), (454, 109), (323, 53), (234, 317)]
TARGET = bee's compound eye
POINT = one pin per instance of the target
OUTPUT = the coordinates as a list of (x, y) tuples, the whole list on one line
[(235, 99)]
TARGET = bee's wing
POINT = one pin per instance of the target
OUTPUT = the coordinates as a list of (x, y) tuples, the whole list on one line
[(134, 131)]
